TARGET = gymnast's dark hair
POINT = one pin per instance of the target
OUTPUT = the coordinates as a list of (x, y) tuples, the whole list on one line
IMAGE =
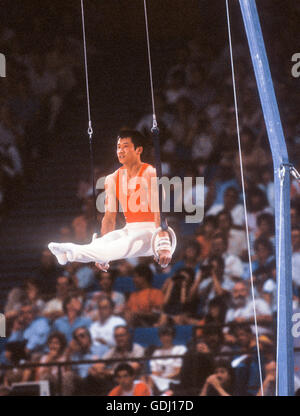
[(136, 137)]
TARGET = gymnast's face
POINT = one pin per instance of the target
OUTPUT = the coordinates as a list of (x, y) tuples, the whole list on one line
[(126, 152)]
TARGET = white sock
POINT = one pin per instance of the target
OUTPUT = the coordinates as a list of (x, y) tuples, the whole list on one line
[(58, 252)]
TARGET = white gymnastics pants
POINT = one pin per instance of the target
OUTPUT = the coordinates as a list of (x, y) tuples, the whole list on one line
[(134, 240)]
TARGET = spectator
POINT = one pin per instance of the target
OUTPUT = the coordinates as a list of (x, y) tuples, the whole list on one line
[(266, 227), (269, 382), (215, 315), (209, 283), (254, 156), (257, 205), (102, 331), (54, 307), (236, 238), (190, 257), (144, 306), (231, 204), (106, 282), (57, 348), (124, 348), (83, 348), (32, 291), (83, 275), (197, 364), (263, 249), (221, 382), (205, 235), (48, 271), (29, 326), (241, 310), (83, 225), (166, 370), (233, 266), (178, 302), (72, 307), (127, 386)]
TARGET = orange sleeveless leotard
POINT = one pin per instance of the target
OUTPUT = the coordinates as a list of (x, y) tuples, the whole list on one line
[(141, 215)]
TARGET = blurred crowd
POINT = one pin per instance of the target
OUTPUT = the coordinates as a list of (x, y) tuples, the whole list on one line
[(40, 79), (188, 329)]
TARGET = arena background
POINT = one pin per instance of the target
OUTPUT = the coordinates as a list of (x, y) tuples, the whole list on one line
[(50, 132)]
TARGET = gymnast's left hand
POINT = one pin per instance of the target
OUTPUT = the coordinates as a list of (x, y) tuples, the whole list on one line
[(165, 257)]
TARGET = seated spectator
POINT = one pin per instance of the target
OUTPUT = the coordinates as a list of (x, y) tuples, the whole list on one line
[(83, 348), (269, 286), (178, 303), (57, 348), (254, 156), (224, 178), (83, 225), (166, 370), (30, 327), (48, 271), (257, 205), (190, 257), (197, 364), (127, 386), (245, 362), (213, 337), (231, 204), (216, 310), (143, 306), (241, 309), (266, 184), (124, 348), (15, 299), (209, 283), (106, 282), (83, 275), (205, 234), (263, 249), (233, 264), (236, 238), (32, 291), (102, 330), (54, 307), (266, 227), (72, 307), (221, 382), (14, 354), (269, 382)]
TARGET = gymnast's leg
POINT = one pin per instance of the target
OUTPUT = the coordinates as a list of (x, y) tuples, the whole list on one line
[(115, 245)]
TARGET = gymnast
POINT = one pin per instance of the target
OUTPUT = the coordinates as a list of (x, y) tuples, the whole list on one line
[(132, 186)]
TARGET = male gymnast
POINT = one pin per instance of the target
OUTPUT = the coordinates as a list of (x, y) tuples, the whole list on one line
[(132, 186)]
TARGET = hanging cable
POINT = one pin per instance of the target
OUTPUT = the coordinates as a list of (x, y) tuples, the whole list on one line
[(244, 197), (150, 66), (90, 129), (156, 143), (155, 129)]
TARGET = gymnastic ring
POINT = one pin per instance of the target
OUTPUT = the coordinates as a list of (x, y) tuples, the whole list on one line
[(173, 240)]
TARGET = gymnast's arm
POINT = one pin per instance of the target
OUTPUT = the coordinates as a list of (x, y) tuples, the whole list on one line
[(108, 223)]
